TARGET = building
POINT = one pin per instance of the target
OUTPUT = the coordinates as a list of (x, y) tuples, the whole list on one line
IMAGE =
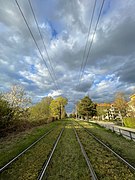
[(111, 113)]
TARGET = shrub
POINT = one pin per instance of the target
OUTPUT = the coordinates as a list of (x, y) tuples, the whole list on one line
[(5, 114), (129, 122)]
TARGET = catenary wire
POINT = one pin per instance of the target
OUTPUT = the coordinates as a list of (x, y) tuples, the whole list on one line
[(87, 40), (35, 42), (91, 43), (86, 45), (41, 36)]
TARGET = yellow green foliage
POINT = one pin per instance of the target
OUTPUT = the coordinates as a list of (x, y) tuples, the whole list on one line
[(129, 122)]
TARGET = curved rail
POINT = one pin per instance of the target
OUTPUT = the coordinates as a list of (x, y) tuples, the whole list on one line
[(51, 154), (98, 140), (20, 154), (92, 172)]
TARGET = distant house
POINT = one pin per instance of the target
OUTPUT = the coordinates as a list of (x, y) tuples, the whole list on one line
[(108, 112), (113, 113)]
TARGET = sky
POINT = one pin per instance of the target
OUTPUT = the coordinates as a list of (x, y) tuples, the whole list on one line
[(64, 24)]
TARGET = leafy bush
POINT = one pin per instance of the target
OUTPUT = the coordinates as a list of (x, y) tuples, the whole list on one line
[(129, 122), (5, 114)]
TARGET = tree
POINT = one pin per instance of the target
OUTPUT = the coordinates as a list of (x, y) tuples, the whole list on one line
[(57, 107), (86, 107), (17, 97), (120, 103), (41, 110), (18, 101), (5, 113)]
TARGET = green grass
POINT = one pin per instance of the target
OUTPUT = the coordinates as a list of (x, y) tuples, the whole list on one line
[(29, 165), (124, 147), (106, 165), (68, 161), (12, 145)]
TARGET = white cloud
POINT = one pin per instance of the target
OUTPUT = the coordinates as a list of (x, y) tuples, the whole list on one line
[(55, 93), (110, 66)]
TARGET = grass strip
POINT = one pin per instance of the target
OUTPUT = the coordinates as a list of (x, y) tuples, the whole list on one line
[(68, 161), (14, 144), (105, 164), (29, 165), (124, 147)]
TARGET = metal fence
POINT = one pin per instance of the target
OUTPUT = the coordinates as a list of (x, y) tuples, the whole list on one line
[(125, 133)]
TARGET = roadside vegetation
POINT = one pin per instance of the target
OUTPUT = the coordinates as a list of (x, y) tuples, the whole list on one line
[(120, 111), (129, 122), (18, 114)]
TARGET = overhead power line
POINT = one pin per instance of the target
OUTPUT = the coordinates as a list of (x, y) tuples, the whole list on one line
[(87, 40), (91, 43), (41, 36), (86, 45), (84, 62), (35, 43)]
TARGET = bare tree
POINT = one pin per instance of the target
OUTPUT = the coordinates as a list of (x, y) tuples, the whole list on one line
[(120, 103)]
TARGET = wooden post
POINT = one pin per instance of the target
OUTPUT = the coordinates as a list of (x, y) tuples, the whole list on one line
[(130, 135)]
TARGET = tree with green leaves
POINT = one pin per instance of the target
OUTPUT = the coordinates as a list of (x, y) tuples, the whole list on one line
[(86, 108), (5, 113), (41, 110), (57, 107)]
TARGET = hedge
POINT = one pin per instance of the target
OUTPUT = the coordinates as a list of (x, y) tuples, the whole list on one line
[(129, 122)]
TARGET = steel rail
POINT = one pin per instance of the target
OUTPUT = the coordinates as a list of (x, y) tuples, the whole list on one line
[(20, 154), (41, 175), (107, 147), (92, 172)]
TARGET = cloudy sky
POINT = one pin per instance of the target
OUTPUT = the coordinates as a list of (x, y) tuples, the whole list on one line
[(64, 24)]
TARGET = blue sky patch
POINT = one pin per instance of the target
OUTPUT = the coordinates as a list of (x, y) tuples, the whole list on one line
[(54, 32), (33, 69)]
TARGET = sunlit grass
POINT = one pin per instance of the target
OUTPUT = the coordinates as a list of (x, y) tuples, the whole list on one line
[(68, 161), (105, 164), (12, 145), (29, 165), (124, 147)]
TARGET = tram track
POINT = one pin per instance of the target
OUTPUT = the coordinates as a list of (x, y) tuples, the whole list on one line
[(29, 163), (106, 154), (92, 172), (42, 159), (40, 177), (71, 162), (24, 151)]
